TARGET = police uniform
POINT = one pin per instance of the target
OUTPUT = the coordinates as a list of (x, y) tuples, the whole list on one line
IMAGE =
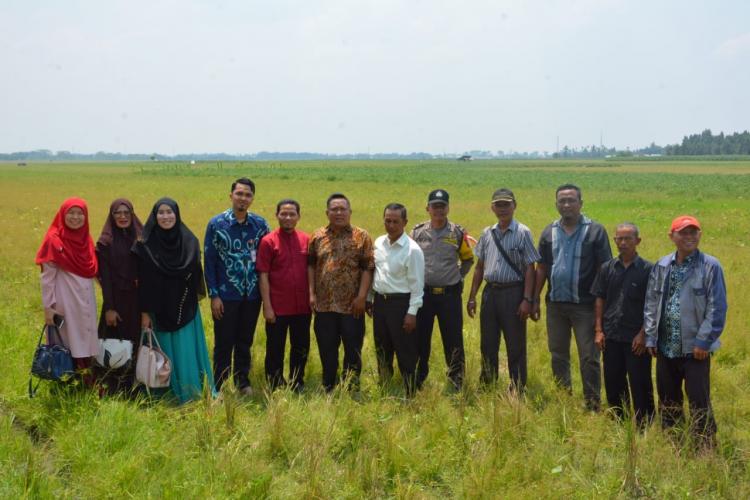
[(443, 249)]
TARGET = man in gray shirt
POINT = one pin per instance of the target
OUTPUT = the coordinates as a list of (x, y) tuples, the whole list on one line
[(505, 260), (448, 258)]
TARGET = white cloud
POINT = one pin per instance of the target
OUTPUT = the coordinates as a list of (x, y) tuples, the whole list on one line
[(736, 47)]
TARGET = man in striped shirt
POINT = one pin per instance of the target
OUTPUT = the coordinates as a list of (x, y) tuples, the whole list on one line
[(573, 250), (506, 257)]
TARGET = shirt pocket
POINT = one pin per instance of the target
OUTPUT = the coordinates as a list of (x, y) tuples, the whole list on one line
[(584, 251), (515, 254), (636, 291)]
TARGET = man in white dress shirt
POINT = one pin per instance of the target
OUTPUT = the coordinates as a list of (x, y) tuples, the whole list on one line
[(396, 296)]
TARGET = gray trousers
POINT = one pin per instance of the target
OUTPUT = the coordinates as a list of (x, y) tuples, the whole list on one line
[(561, 317)]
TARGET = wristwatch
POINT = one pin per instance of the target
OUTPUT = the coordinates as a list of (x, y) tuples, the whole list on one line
[(530, 300)]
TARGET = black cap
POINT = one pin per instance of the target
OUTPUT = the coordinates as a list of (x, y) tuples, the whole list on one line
[(503, 194), (438, 196)]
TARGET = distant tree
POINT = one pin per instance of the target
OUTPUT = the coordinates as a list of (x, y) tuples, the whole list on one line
[(706, 143)]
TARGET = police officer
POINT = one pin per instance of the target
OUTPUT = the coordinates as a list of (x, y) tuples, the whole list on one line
[(448, 258)]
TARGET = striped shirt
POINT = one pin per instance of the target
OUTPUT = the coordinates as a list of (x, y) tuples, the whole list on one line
[(517, 243), (573, 260)]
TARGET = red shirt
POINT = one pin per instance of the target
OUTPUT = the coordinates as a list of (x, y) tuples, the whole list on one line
[(284, 257)]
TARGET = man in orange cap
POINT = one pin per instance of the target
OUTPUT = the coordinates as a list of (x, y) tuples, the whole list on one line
[(684, 315)]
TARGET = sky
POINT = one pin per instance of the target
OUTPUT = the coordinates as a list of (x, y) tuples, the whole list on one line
[(346, 76)]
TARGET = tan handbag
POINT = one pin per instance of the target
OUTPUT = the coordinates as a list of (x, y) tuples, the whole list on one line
[(153, 367)]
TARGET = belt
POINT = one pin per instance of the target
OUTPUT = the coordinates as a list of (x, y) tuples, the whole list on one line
[(393, 296), (500, 286), (443, 290)]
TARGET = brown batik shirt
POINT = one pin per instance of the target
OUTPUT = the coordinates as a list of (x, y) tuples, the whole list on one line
[(339, 260)]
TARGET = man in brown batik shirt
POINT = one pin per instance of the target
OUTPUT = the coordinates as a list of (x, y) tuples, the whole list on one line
[(340, 266)]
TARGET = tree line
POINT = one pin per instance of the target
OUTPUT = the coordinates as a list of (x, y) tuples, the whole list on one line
[(705, 143)]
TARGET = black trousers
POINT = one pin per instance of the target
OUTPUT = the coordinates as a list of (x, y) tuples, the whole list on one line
[(233, 334), (622, 368), (299, 339), (387, 325), (447, 308), (499, 313), (671, 373), (331, 330)]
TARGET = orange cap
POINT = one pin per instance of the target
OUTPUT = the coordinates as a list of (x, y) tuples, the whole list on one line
[(684, 221)]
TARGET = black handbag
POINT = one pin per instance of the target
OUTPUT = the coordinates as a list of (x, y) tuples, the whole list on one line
[(52, 361)]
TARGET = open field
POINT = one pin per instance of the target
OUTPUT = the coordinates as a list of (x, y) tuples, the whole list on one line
[(474, 444)]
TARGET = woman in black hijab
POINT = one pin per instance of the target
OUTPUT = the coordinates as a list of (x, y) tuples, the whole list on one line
[(170, 283), (120, 316)]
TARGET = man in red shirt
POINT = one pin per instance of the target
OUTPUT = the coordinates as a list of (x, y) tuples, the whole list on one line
[(282, 267)]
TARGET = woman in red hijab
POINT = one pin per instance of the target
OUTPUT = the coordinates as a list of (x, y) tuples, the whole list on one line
[(69, 265)]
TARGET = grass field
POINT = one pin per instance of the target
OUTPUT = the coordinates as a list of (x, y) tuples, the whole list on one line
[(477, 444)]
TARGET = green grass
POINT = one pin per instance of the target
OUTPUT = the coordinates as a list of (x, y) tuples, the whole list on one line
[(475, 444)]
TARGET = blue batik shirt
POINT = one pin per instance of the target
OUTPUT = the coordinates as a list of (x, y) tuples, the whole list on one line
[(230, 249), (670, 339)]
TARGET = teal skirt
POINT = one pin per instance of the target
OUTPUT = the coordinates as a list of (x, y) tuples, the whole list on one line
[(186, 349)]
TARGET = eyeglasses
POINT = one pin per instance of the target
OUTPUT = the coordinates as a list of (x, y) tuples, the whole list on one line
[(121, 213)]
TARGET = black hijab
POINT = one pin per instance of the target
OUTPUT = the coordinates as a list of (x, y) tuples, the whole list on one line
[(174, 252), (170, 276)]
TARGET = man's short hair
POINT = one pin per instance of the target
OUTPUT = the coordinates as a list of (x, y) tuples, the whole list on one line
[(396, 206), (243, 180), (628, 225), (566, 187), (337, 196), (287, 201)]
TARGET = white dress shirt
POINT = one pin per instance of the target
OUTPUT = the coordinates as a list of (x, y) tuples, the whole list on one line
[(399, 268)]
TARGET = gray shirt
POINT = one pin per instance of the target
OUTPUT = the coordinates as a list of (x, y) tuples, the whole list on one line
[(517, 243), (443, 250)]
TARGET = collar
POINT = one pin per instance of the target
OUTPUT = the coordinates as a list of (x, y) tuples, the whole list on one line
[(229, 215), (284, 234), (688, 260), (582, 221), (636, 260), (347, 229), (402, 240), (446, 226), (512, 227)]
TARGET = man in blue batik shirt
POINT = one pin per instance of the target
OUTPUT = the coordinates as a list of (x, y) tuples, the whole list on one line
[(232, 240)]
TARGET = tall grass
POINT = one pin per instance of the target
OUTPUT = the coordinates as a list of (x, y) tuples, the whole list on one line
[(476, 443)]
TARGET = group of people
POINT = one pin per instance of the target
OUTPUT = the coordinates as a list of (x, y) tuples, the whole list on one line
[(152, 277)]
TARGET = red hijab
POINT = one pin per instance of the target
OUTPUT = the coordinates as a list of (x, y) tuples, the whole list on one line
[(70, 249)]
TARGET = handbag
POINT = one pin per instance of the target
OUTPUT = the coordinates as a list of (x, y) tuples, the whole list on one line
[(114, 353), (52, 361), (152, 367)]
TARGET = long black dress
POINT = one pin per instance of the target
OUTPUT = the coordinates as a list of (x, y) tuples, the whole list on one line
[(118, 277)]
